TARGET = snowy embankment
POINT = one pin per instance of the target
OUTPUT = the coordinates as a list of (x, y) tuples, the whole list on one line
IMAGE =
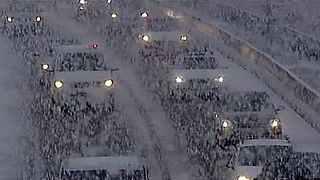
[(12, 121)]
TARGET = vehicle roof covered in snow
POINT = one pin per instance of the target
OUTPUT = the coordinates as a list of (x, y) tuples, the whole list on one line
[(110, 163), (82, 76), (265, 114), (82, 48), (234, 78), (266, 142)]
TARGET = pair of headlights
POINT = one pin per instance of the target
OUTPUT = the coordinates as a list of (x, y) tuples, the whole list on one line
[(180, 79), (274, 123), (147, 38), (10, 19), (59, 84)]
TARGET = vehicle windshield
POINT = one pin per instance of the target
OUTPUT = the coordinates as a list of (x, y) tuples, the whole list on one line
[(259, 155)]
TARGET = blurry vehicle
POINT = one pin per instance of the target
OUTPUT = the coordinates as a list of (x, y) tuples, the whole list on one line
[(16, 18), (81, 71), (104, 167), (251, 114), (216, 77), (166, 37), (253, 155)]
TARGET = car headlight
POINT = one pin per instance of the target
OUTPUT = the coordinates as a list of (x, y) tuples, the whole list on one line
[(274, 123), (226, 123), (220, 79), (144, 14), (10, 19), (146, 38), (45, 66), (243, 178), (184, 38), (114, 15), (82, 2), (38, 18), (58, 84), (179, 79), (108, 82)]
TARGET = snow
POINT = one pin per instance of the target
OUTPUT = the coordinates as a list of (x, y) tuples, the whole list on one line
[(307, 139), (11, 131), (175, 158), (82, 76), (266, 142), (112, 163), (158, 142)]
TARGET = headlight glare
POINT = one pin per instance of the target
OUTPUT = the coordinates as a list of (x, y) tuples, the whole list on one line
[(58, 84), (145, 38), (108, 82), (45, 66), (243, 178), (144, 14)]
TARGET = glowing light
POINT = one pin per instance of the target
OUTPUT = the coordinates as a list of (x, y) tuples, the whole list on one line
[(109, 1), (108, 82), (10, 19), (45, 66), (243, 178), (226, 123), (179, 79), (58, 84), (38, 18), (274, 123), (184, 38), (83, 2), (144, 14), (220, 79), (146, 38), (114, 15)]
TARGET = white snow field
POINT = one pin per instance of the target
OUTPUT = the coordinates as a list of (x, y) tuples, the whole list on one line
[(11, 120)]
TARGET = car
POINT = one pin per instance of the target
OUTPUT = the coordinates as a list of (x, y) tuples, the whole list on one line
[(253, 155)]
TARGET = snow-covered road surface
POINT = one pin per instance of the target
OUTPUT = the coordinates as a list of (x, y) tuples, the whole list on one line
[(10, 116)]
